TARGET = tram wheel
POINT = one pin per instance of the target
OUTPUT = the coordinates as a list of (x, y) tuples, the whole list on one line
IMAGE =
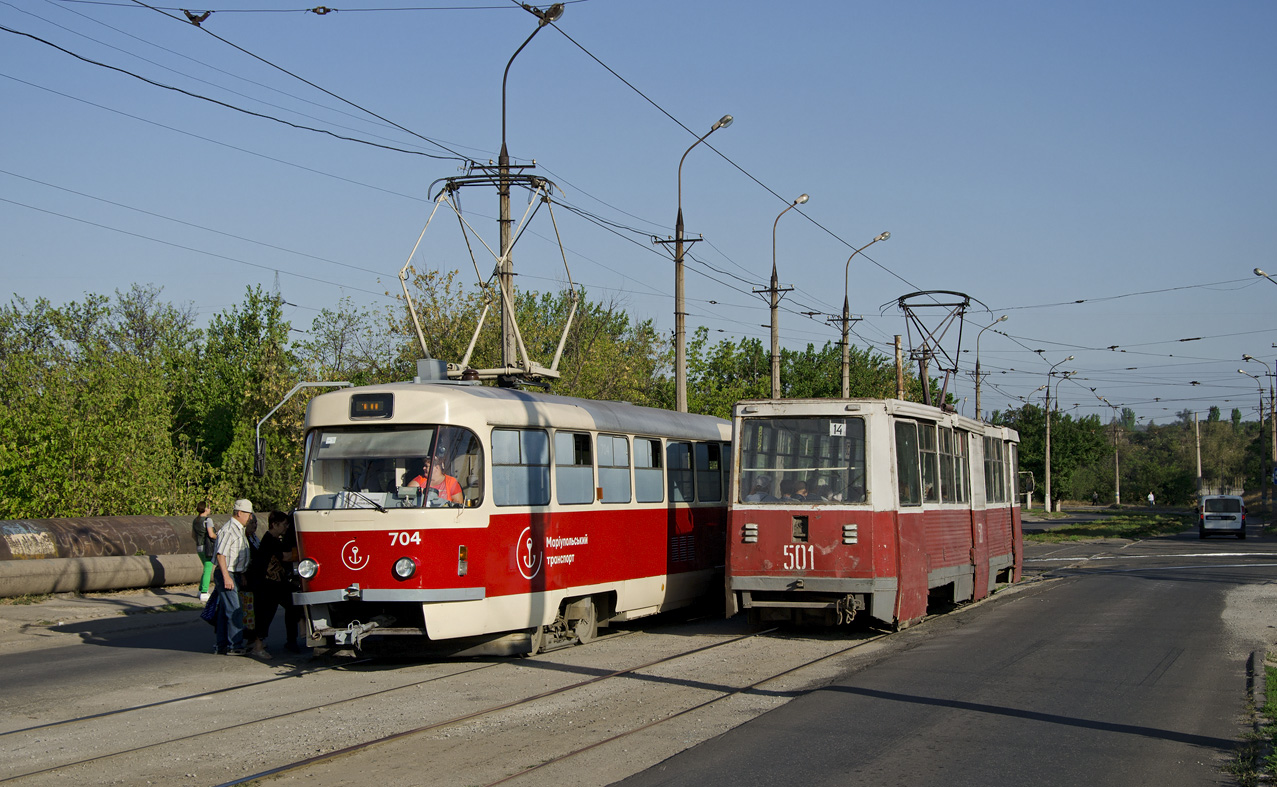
[(587, 626), (537, 640)]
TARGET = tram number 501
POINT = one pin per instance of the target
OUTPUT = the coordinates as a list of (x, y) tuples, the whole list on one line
[(404, 539), (800, 557)]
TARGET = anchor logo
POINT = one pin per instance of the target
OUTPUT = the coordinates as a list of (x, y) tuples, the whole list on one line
[(528, 560), (351, 557)]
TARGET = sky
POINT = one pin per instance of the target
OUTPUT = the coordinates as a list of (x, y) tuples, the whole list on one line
[(1102, 173)]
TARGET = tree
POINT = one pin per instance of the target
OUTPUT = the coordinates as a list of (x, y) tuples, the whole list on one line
[(89, 402), (245, 369)]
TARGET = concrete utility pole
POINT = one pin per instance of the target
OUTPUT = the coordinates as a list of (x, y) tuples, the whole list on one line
[(1197, 436), (1049, 374), (1268, 482), (846, 316), (979, 414), (680, 304), (505, 265), (900, 369), (775, 294)]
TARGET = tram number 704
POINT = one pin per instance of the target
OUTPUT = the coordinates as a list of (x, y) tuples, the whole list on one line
[(404, 538), (800, 557)]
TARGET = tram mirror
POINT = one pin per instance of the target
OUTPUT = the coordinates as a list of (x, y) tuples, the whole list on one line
[(259, 458)]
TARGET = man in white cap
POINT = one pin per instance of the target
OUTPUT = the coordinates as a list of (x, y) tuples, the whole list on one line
[(232, 563)]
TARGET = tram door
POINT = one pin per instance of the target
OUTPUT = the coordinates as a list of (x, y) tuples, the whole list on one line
[(912, 568)]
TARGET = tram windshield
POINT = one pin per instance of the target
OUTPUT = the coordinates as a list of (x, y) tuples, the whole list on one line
[(413, 467), (802, 459)]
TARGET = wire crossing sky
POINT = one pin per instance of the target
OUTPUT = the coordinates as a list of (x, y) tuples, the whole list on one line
[(1101, 173)]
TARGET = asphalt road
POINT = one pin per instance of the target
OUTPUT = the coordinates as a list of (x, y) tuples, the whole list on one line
[(1119, 668)]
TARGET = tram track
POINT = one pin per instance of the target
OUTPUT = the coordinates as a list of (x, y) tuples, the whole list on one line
[(184, 698), (197, 735), (302, 769), (193, 737)]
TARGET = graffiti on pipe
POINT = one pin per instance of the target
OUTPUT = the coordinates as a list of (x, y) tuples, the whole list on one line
[(37, 539)]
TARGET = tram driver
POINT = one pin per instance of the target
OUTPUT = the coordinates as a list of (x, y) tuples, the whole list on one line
[(441, 488)]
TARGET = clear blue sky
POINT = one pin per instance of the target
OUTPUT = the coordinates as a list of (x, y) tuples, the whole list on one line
[(1031, 155)]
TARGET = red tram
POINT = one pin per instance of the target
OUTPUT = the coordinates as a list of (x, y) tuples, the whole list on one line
[(842, 506), (561, 515)]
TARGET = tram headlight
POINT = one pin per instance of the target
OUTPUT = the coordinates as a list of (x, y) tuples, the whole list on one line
[(307, 569), (405, 567)]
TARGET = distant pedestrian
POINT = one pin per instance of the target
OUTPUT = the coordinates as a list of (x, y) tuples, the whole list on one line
[(232, 563), (205, 536), (1150, 499), (1095, 498)]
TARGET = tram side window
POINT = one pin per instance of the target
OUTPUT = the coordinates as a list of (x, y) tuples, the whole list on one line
[(649, 475), (995, 489), (679, 471), (953, 466), (709, 472), (520, 467), (930, 464), (614, 468), (573, 468), (908, 478)]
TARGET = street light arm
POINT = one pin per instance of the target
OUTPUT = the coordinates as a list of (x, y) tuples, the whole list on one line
[(553, 13), (846, 271), (723, 122)]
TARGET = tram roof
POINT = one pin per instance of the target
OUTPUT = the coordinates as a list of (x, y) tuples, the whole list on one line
[(435, 402), (841, 407)]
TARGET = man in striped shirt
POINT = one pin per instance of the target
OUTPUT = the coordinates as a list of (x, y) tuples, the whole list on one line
[(232, 563)]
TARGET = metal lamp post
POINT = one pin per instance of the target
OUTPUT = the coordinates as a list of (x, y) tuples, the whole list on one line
[(505, 266), (1261, 430), (1048, 430), (979, 414), (1272, 420), (846, 316), (680, 308), (774, 291)]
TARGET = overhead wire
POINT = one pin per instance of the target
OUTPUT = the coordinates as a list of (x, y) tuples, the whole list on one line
[(237, 47), (211, 100)]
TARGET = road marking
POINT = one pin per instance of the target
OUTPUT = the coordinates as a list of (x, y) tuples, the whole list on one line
[(1129, 557)]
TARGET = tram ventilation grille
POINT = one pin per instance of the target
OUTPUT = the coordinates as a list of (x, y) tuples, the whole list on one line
[(682, 549), (851, 534), (749, 533)]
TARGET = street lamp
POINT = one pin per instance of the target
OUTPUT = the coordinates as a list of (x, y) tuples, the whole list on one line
[(1260, 272), (1268, 481), (1117, 478), (505, 266), (1272, 420), (680, 308), (978, 411), (774, 291), (846, 316), (1048, 430)]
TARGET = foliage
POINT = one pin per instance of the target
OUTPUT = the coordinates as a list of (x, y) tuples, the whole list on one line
[(1076, 444), (88, 393)]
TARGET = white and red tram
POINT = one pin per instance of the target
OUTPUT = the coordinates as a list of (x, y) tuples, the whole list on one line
[(840, 506), (565, 514)]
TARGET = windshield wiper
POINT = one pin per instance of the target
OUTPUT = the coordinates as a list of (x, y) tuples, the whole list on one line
[(367, 499)]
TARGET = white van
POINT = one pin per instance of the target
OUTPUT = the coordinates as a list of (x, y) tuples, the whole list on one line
[(1221, 515)]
